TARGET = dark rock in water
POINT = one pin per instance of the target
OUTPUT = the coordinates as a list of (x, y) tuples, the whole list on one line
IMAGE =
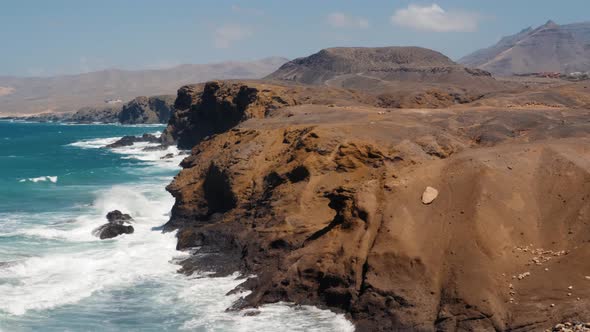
[(118, 217), (130, 140), (116, 225), (124, 141), (168, 156), (111, 230)]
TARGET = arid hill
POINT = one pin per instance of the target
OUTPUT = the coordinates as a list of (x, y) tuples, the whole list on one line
[(401, 76), (380, 68), (548, 48), (325, 204)]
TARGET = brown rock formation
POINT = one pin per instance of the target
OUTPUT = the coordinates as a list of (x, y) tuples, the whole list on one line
[(323, 204), (208, 109)]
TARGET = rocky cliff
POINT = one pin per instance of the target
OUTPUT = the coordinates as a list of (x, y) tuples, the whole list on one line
[(208, 109), (141, 110), (325, 204), (156, 109)]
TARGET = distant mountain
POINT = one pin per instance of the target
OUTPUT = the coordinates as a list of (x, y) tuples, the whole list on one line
[(381, 69), (548, 48), (28, 95), (330, 63)]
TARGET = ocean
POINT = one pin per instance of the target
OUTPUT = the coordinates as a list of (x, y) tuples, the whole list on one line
[(57, 182)]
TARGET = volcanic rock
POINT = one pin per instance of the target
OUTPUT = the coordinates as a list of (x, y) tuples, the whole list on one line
[(108, 231), (318, 200), (156, 109), (118, 217), (204, 110), (115, 227)]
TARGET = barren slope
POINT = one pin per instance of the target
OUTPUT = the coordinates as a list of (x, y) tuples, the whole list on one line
[(548, 48)]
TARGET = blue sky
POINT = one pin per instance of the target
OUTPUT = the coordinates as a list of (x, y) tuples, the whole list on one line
[(41, 38)]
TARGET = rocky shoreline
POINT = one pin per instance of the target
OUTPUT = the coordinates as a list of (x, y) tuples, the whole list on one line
[(141, 110), (318, 192)]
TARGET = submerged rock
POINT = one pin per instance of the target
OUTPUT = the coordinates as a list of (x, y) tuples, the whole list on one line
[(115, 227)]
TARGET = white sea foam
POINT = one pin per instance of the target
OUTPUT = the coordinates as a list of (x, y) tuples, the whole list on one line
[(86, 267), (52, 179), (95, 143), (206, 295), (137, 151), (67, 277)]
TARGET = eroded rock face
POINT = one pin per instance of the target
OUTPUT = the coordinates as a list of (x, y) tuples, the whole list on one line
[(323, 204), (157, 109), (219, 107)]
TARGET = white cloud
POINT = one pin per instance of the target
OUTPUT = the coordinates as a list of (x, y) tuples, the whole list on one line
[(434, 18), (341, 20), (230, 33)]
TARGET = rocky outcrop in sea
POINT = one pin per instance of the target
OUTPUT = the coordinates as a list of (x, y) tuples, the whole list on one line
[(116, 225), (141, 110)]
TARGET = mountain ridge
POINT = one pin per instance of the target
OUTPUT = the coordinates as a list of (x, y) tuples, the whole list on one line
[(548, 48)]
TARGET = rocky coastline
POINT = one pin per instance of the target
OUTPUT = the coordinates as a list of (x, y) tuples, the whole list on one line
[(320, 193), (141, 110)]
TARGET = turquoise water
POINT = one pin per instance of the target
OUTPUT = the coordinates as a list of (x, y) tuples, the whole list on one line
[(57, 182)]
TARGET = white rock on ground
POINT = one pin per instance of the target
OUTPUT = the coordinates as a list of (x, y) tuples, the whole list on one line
[(429, 195)]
